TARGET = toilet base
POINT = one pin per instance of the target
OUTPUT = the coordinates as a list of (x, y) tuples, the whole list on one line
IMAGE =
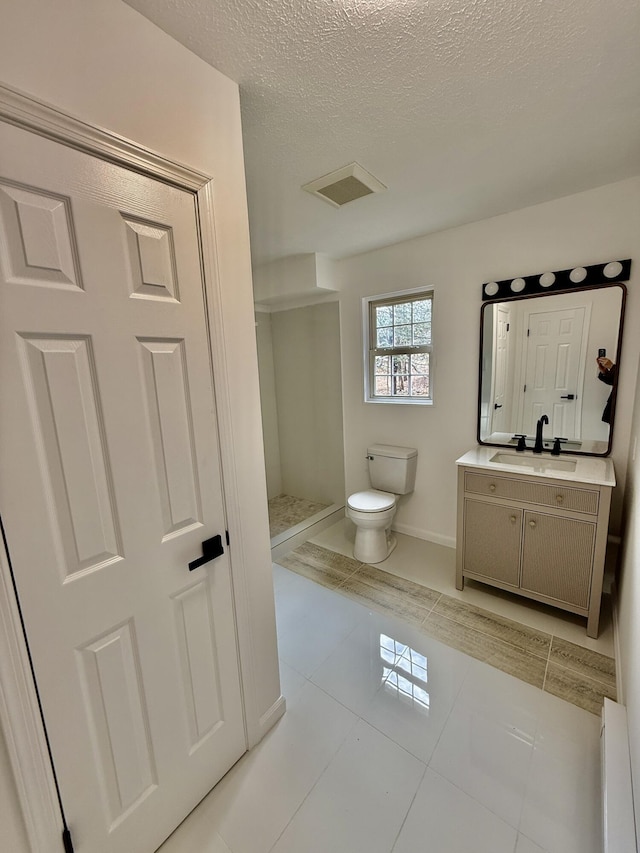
[(373, 546)]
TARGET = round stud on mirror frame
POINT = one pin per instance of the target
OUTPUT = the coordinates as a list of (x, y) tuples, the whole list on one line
[(547, 279), (578, 274), (518, 284), (491, 288), (612, 269)]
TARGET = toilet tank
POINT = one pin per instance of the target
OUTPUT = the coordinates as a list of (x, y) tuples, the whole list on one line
[(392, 468)]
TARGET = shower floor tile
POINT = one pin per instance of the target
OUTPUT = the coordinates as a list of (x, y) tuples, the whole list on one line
[(286, 511)]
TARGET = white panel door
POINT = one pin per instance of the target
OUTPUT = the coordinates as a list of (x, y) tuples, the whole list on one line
[(109, 483), (552, 372)]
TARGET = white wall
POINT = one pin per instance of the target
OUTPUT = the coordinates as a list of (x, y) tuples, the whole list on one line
[(268, 404), (591, 227), (103, 62), (306, 354), (303, 278), (629, 602)]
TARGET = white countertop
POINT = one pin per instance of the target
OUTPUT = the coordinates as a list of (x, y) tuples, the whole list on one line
[(597, 470)]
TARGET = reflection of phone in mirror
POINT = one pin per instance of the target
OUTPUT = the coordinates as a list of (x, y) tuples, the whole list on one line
[(602, 353)]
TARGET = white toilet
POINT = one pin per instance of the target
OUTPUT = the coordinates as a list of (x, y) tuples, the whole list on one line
[(392, 471)]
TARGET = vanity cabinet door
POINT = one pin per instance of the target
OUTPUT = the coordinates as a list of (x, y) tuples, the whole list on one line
[(492, 539), (557, 558)]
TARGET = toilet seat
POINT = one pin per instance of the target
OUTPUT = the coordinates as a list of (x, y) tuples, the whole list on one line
[(371, 500)]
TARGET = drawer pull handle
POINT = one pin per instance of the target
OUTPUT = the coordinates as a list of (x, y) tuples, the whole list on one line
[(492, 487), (513, 519), (559, 498), (532, 524)]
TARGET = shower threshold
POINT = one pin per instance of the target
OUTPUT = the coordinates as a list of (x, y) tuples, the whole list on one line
[(318, 520)]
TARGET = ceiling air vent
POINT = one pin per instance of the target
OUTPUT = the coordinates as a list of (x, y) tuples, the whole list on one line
[(345, 185)]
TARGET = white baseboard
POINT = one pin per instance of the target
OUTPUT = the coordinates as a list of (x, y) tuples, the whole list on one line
[(268, 720), (618, 823), (449, 541), (427, 535), (616, 641)]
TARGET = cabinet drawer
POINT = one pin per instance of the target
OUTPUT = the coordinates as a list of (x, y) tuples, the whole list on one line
[(528, 491)]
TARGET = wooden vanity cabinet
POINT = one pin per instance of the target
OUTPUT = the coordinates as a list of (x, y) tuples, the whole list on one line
[(539, 537)]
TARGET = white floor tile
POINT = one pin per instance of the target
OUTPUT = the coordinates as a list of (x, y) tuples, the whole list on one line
[(281, 577), (573, 724), (357, 668), (423, 562), (194, 835), (255, 801), (339, 537), (360, 801), (354, 672), (414, 703), (486, 746), (505, 698), (525, 845), (443, 819), (291, 681), (306, 641), (294, 595), (561, 806)]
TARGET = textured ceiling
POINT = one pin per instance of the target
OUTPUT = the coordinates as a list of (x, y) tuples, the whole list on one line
[(463, 108)]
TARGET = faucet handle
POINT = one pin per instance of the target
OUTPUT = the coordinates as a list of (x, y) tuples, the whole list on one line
[(522, 443), (556, 445)]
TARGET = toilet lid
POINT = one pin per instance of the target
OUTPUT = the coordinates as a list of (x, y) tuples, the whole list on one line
[(371, 501)]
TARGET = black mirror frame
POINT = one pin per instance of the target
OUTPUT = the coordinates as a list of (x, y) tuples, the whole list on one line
[(594, 280)]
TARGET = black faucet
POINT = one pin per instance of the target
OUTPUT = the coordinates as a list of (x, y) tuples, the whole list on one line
[(537, 448)]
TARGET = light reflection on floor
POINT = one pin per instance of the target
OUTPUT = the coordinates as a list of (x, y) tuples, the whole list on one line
[(406, 674)]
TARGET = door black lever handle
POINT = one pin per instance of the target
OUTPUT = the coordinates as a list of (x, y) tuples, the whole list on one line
[(568, 397), (211, 548)]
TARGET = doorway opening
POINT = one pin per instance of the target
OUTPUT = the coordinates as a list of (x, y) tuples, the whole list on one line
[(301, 398)]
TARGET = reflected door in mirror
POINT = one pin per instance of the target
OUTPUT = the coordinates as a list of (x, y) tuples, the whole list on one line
[(552, 373)]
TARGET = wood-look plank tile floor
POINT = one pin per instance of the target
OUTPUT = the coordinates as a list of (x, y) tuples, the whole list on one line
[(578, 675)]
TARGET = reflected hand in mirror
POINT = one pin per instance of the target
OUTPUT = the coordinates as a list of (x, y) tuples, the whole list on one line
[(608, 373)]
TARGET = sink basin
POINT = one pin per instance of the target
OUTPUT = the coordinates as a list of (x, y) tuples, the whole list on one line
[(534, 463)]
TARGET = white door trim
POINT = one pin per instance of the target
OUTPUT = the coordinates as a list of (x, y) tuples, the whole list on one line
[(22, 725), (19, 709), (32, 114)]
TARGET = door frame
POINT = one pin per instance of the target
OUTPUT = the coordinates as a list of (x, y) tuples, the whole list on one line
[(20, 717), (500, 306)]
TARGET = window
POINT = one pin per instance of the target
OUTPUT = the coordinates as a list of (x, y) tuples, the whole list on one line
[(398, 349)]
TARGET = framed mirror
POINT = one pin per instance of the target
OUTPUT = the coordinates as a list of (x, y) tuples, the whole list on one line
[(540, 338)]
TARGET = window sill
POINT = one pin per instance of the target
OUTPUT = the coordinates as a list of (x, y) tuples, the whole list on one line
[(385, 401)]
